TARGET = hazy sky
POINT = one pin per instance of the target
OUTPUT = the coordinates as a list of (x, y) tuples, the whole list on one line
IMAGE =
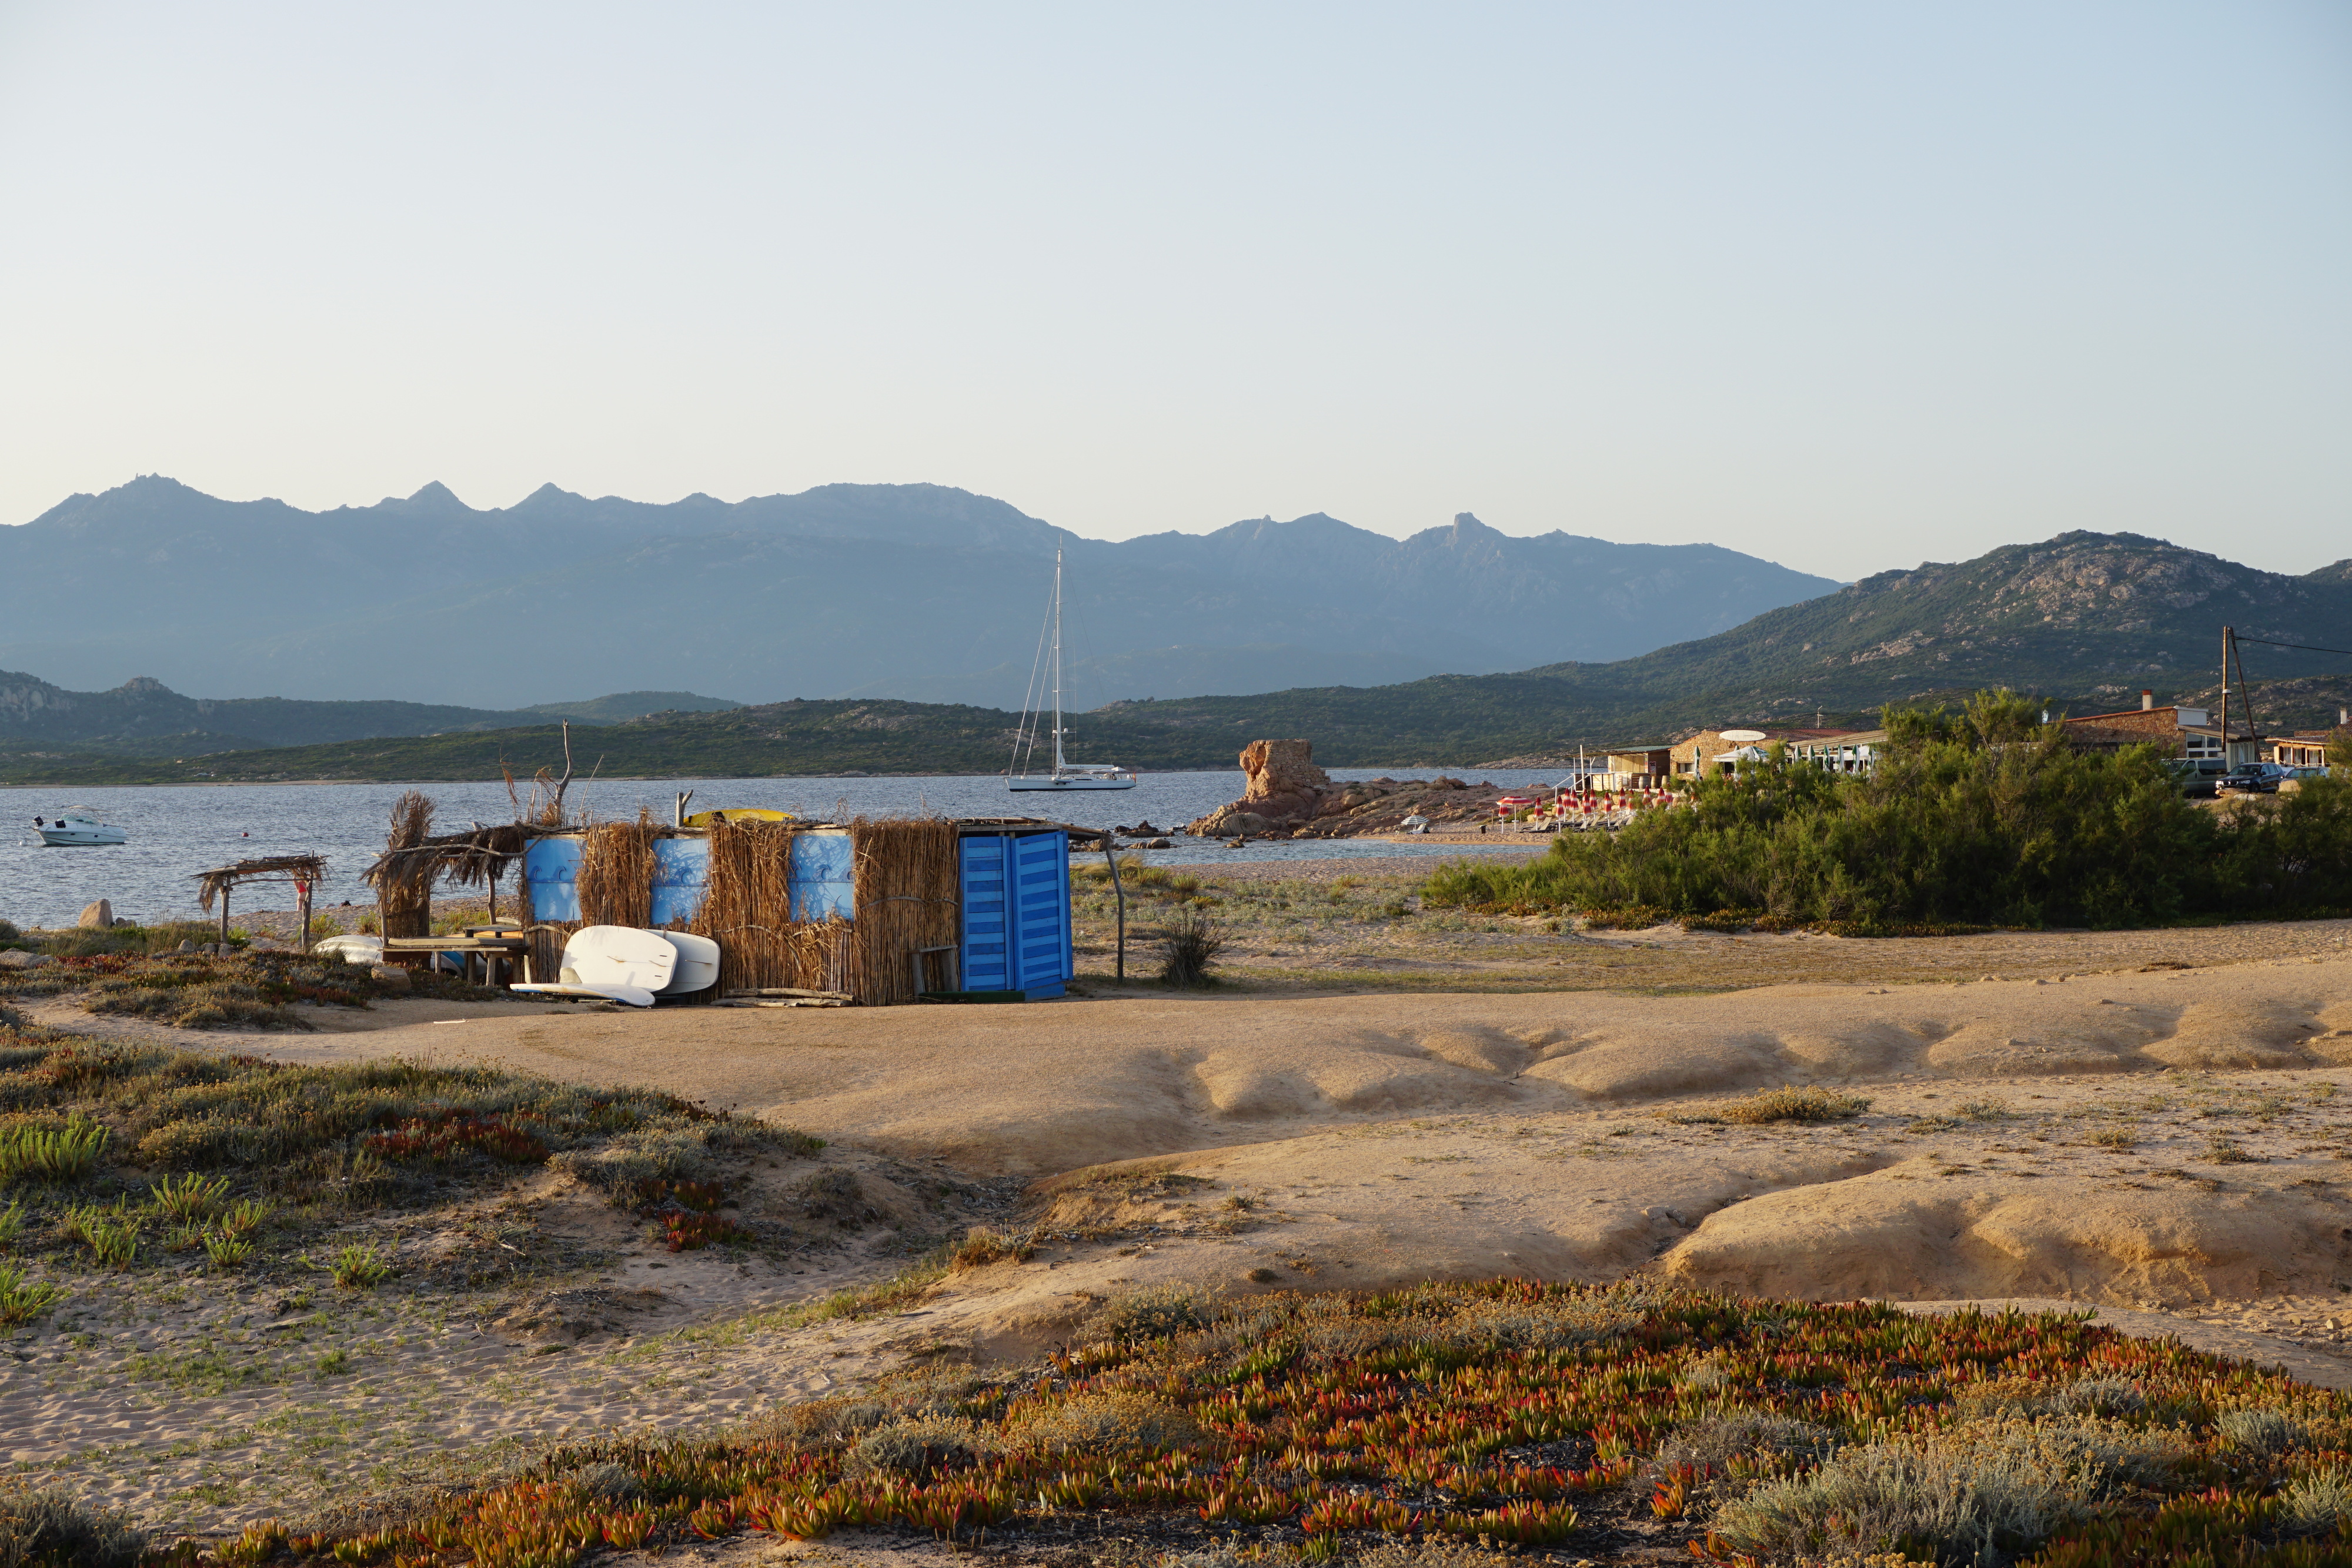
[(1847, 285)]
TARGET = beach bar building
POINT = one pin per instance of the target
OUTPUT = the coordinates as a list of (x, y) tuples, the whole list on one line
[(880, 911)]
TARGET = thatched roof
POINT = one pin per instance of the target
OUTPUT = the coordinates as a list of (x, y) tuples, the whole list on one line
[(468, 859), (211, 885)]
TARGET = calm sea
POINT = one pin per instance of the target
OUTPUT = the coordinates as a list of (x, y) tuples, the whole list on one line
[(178, 831)]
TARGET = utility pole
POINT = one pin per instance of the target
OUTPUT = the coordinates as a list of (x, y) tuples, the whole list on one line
[(2228, 636)]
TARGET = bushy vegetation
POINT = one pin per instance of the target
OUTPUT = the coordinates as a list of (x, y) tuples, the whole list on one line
[(1981, 818), (114, 1155), (1189, 946), (45, 1526), (1808, 1103), (199, 990), (1552, 1422)]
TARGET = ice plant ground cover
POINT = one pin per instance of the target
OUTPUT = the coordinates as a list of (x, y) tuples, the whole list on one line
[(1554, 1422)]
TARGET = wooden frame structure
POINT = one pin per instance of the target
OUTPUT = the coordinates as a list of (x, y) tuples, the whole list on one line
[(303, 872)]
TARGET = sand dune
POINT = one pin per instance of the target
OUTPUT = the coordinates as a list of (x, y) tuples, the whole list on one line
[(1473, 1134), (1036, 1090)]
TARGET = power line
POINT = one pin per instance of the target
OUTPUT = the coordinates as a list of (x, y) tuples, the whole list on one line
[(2306, 647)]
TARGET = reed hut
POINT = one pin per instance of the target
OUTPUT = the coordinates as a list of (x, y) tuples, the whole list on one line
[(880, 909)]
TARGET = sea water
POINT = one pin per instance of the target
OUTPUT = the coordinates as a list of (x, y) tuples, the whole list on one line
[(178, 831)]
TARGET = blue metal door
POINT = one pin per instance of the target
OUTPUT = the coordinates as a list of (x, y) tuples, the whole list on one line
[(1016, 912)]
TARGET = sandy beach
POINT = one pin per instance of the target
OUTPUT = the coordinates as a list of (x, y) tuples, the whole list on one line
[(2160, 1137)]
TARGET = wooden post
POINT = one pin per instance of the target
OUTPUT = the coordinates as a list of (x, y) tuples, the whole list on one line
[(1120, 888), (224, 934), (302, 892)]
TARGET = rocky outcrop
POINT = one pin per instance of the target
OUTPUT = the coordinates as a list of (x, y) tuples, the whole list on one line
[(1284, 789), (1289, 796), (97, 916)]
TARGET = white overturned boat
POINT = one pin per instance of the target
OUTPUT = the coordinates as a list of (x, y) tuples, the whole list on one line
[(1065, 776), (78, 827)]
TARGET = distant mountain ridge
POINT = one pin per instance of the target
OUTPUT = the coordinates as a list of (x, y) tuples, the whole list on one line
[(142, 716), (2084, 621), (2084, 616), (849, 590)]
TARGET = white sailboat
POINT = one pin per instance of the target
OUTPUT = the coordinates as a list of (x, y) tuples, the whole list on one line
[(1066, 775)]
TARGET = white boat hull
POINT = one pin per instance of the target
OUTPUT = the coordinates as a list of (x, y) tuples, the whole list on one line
[(1067, 785), (78, 836)]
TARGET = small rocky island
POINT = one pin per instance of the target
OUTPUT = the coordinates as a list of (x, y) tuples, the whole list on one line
[(1289, 797)]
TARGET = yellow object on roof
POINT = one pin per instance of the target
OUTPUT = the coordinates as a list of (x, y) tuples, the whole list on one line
[(743, 814)]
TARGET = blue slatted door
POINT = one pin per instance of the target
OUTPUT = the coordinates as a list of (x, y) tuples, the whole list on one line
[(1040, 934), (983, 961)]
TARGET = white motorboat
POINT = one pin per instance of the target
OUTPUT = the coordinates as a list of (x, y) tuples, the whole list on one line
[(1066, 775), (80, 827)]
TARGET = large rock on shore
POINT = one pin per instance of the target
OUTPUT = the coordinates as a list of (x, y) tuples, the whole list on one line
[(1284, 789), (99, 916), (1289, 796)]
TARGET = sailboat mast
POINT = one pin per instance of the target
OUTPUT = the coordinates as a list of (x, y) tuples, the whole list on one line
[(1058, 659)]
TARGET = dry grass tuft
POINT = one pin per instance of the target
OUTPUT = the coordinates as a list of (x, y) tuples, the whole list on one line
[(1809, 1104), (985, 1245)]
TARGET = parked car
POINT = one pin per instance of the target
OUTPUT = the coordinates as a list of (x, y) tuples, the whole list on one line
[(2196, 782), (2256, 778)]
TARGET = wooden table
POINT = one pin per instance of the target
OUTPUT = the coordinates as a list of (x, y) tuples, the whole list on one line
[(491, 949)]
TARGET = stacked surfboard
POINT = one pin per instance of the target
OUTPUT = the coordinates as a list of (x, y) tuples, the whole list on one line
[(621, 964)]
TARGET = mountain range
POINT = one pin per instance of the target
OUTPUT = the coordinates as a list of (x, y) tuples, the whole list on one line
[(144, 717), (2085, 621), (908, 591)]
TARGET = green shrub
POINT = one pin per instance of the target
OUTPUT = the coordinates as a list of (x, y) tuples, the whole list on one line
[(2259, 1431), (1949, 831), (21, 1302), (1973, 1498), (2317, 1504), (1153, 1313), (50, 1529), (1710, 1444), (37, 1152), (358, 1268), (608, 1483), (223, 1250), (190, 1197)]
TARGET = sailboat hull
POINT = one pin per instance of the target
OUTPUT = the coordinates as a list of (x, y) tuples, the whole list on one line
[(1068, 786)]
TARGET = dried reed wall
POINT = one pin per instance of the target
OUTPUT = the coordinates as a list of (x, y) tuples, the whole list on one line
[(904, 882), (616, 872), (748, 911), (403, 898), (905, 891)]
